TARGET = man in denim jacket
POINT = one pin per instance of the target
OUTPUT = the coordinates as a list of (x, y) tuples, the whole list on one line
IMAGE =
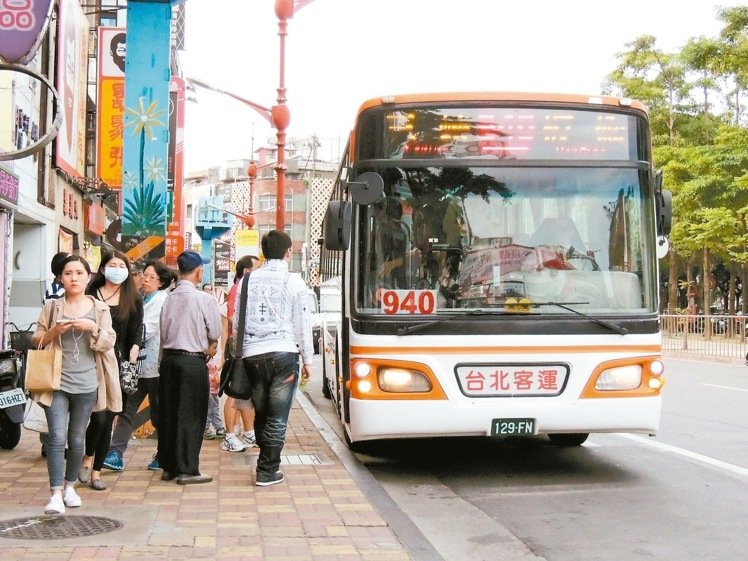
[(278, 328)]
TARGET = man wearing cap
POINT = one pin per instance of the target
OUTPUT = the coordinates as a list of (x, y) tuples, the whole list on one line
[(190, 331)]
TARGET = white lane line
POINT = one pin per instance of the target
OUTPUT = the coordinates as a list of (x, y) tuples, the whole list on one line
[(731, 388), (731, 468)]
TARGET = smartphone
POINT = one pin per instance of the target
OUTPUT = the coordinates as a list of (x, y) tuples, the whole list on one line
[(61, 320)]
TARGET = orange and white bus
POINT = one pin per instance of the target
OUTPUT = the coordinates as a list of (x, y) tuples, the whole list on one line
[(498, 257)]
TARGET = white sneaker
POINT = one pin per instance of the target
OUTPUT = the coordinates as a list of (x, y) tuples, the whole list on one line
[(55, 505), (249, 439), (71, 498), (231, 443)]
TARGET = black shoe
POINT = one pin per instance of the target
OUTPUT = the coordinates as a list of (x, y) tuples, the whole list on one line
[(267, 481), (166, 476), (193, 479)]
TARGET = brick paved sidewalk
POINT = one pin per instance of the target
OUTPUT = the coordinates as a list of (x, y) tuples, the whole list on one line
[(318, 514)]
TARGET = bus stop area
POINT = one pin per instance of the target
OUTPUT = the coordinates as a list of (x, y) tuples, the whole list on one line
[(319, 513)]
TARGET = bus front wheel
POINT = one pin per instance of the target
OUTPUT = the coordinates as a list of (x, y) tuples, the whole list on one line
[(570, 439)]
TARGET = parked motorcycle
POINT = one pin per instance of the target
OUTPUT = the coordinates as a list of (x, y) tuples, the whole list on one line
[(12, 400)]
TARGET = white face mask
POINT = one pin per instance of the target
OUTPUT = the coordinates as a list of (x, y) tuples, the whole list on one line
[(116, 275)]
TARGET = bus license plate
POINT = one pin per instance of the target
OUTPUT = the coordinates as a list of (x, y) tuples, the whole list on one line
[(512, 427), (12, 397)]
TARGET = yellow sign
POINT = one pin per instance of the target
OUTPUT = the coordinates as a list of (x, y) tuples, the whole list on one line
[(111, 115), (247, 237)]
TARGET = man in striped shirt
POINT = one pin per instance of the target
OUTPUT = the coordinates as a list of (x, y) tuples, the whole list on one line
[(190, 331)]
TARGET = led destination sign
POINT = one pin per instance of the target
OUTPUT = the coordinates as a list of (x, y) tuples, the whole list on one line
[(509, 133)]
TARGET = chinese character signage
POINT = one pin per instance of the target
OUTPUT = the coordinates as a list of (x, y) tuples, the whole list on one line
[(22, 27), (8, 186), (507, 380), (111, 105), (72, 62), (175, 223)]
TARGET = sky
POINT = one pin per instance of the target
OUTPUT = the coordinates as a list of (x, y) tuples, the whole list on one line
[(339, 53)]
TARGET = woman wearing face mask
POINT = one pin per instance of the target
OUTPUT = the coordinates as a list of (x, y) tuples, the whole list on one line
[(114, 286), (155, 281)]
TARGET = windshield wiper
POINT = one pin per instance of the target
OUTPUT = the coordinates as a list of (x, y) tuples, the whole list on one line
[(414, 328), (608, 325)]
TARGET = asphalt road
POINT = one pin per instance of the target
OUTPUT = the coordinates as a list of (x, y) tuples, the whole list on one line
[(682, 495)]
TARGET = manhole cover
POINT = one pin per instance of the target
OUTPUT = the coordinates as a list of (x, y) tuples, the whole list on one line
[(56, 527)]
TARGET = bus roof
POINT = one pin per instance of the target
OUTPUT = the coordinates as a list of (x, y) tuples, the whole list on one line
[(449, 97)]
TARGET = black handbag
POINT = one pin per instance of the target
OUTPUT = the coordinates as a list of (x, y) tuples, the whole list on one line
[(128, 377), (129, 372), (234, 378)]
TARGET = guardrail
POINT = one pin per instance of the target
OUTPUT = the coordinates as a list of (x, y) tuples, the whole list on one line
[(719, 337)]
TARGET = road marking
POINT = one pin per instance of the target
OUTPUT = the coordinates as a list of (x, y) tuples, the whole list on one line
[(727, 387), (731, 468)]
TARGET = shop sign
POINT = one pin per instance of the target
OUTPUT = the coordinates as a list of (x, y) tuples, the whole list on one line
[(94, 217), (22, 27), (69, 204), (8, 186)]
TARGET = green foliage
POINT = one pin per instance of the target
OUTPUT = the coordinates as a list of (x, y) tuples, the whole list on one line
[(698, 107), (144, 212)]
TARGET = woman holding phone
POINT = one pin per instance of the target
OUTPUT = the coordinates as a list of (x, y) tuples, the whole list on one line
[(81, 327)]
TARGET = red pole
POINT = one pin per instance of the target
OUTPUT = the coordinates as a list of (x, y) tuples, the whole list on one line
[(280, 114)]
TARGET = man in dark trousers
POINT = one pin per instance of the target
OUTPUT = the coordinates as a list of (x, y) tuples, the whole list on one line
[(278, 327), (190, 331)]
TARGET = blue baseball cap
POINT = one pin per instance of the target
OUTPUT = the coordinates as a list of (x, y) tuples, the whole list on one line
[(189, 260)]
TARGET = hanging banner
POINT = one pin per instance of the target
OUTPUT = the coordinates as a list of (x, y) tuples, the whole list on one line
[(175, 228), (147, 79), (72, 58), (110, 112), (22, 28)]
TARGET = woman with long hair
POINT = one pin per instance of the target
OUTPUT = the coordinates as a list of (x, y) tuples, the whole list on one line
[(113, 285), (81, 327), (155, 281)]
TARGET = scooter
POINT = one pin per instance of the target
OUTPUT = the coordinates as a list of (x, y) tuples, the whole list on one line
[(12, 400)]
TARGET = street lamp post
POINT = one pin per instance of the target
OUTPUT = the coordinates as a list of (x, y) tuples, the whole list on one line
[(279, 115)]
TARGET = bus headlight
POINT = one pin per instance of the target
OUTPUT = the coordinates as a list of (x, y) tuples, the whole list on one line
[(620, 378), (392, 379)]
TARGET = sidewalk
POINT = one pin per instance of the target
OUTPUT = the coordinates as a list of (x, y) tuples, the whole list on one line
[(318, 514)]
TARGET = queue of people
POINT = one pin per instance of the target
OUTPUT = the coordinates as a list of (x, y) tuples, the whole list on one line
[(174, 329)]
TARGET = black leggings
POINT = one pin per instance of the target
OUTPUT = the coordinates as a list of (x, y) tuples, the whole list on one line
[(99, 436)]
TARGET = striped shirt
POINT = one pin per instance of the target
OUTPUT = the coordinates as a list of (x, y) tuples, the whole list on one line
[(190, 319)]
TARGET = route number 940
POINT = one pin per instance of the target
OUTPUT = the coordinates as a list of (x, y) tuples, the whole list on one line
[(413, 302)]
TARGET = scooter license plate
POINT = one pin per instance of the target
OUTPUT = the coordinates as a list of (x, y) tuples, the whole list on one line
[(12, 397)]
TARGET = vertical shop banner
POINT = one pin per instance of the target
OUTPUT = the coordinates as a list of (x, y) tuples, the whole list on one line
[(111, 105), (72, 73), (175, 219), (147, 79)]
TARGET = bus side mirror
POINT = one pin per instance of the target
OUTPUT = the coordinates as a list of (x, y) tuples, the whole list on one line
[(368, 188), (336, 228), (664, 212)]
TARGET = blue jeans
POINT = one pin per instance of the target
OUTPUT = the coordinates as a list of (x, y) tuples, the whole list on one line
[(67, 418), (273, 377), (214, 413)]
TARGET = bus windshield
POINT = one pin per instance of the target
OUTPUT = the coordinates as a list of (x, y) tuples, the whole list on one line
[(498, 238)]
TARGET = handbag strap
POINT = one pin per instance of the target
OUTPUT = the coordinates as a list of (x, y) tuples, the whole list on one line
[(39, 347), (239, 342)]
